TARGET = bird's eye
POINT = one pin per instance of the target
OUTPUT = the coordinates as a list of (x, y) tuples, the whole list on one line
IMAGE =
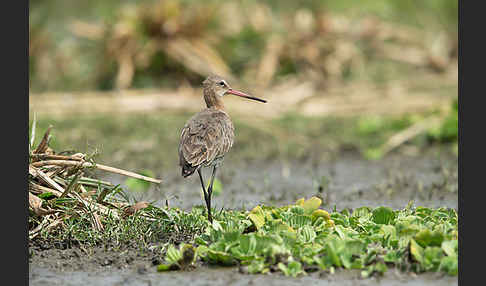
[(221, 83)]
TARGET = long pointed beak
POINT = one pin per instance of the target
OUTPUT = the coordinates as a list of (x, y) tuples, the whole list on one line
[(238, 93)]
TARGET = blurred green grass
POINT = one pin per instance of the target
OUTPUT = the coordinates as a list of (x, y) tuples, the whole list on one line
[(150, 141)]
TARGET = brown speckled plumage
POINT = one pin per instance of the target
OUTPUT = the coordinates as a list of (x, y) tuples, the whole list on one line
[(205, 139)]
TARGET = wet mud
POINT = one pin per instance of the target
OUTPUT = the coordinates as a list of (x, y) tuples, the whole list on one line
[(430, 180), (230, 276)]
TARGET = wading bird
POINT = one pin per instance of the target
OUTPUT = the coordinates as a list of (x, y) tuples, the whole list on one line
[(208, 135)]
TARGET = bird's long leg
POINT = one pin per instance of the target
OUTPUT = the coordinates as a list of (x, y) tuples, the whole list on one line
[(206, 197), (210, 192)]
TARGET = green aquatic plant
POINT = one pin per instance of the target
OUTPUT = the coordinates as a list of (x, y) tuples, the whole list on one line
[(178, 258), (298, 238)]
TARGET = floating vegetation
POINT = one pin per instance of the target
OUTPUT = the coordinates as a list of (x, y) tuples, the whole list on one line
[(302, 238)]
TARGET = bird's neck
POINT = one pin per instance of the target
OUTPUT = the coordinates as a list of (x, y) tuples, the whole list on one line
[(212, 100)]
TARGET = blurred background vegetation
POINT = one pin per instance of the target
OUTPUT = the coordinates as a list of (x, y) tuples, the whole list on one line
[(103, 45), (389, 49)]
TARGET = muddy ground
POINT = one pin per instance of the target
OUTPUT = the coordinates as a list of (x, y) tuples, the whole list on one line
[(429, 179), (347, 182), (228, 276)]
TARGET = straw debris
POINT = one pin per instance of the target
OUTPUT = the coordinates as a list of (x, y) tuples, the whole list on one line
[(59, 188)]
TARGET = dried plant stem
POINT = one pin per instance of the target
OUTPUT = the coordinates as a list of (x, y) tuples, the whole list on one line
[(41, 226), (32, 136), (96, 222), (82, 189), (55, 171), (38, 173), (41, 189), (33, 233), (55, 157), (43, 144), (101, 208), (98, 166)]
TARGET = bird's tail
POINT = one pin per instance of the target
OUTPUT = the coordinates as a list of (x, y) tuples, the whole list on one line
[(188, 169)]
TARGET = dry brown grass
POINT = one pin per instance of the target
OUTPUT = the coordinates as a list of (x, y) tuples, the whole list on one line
[(64, 177)]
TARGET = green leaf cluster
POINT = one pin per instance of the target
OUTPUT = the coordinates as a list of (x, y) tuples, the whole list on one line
[(299, 238)]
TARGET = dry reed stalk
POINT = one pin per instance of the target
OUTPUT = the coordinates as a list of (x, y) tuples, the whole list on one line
[(87, 193), (32, 134), (60, 181), (38, 173), (62, 176), (44, 225), (33, 233), (97, 222), (82, 189), (55, 157), (42, 190), (42, 147), (56, 170), (98, 166)]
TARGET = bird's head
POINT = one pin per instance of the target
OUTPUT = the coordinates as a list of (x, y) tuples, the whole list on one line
[(218, 87)]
